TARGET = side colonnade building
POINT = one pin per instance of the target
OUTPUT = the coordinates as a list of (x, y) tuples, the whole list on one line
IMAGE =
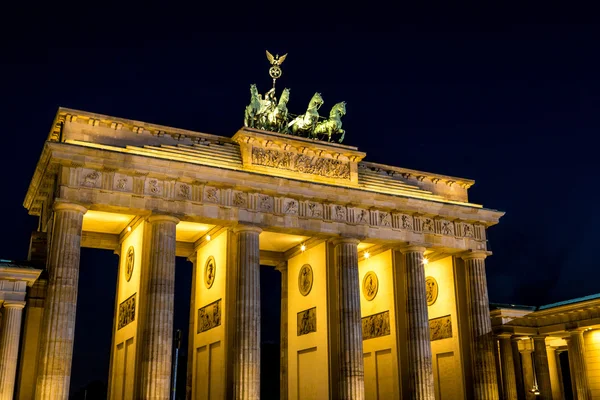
[(384, 291)]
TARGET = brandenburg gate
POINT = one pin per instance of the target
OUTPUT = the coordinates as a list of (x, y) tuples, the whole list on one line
[(384, 290)]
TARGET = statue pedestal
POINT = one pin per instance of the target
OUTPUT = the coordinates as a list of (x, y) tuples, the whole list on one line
[(298, 158)]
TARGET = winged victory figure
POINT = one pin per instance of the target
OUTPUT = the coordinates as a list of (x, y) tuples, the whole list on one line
[(276, 60)]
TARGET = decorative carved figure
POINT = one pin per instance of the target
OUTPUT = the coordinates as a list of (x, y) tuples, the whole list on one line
[(301, 163), (305, 124), (428, 225), (212, 194), (361, 217), (210, 270), (291, 207), (239, 199), (447, 228), (315, 210), (407, 222), (129, 262), (431, 290), (91, 179), (185, 191), (468, 230), (440, 328), (340, 213), (307, 321), (153, 184), (376, 325), (121, 183), (370, 285), (250, 116), (305, 279), (126, 312), (384, 219), (209, 316), (265, 202)]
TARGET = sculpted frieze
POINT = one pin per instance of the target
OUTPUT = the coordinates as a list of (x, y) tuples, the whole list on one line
[(211, 194), (303, 163), (440, 328), (338, 213), (91, 178), (184, 191), (209, 316), (307, 321), (126, 312), (361, 216), (122, 182), (153, 187), (314, 210), (467, 230), (376, 325), (265, 203), (290, 206), (406, 222), (447, 227), (385, 219), (240, 199)]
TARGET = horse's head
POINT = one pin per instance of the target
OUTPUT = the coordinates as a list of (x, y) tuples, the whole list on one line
[(339, 108), (285, 96), (253, 90), (316, 101)]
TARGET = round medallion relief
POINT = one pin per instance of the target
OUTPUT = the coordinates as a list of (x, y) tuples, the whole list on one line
[(129, 261), (210, 269), (431, 287), (370, 285), (305, 279)]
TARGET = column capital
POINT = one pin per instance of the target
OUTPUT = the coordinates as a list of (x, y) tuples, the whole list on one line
[(516, 338), (349, 240), (539, 337), (475, 255), (13, 304), (163, 218), (412, 249), (247, 228), (61, 205)]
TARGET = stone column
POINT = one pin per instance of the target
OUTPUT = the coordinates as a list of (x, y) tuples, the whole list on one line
[(351, 383), (542, 370), (420, 370), (508, 368), (155, 377), (528, 378), (58, 324), (283, 360), (514, 342), (247, 343), (9, 347), (191, 331), (581, 386), (485, 381)]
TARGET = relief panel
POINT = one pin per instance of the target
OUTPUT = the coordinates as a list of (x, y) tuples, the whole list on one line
[(209, 316), (376, 325), (440, 328), (307, 321)]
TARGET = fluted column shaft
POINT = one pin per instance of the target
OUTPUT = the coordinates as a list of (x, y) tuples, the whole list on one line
[(581, 386), (514, 343), (509, 380), (542, 370), (9, 347), (283, 344), (351, 384), (160, 296), (58, 324), (420, 369), (247, 358), (191, 332), (485, 380)]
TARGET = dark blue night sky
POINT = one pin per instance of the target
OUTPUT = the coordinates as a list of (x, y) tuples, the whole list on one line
[(512, 106)]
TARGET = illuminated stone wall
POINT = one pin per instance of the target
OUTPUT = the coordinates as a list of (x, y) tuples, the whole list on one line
[(126, 329), (308, 350), (446, 354), (210, 315), (380, 351), (592, 358)]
